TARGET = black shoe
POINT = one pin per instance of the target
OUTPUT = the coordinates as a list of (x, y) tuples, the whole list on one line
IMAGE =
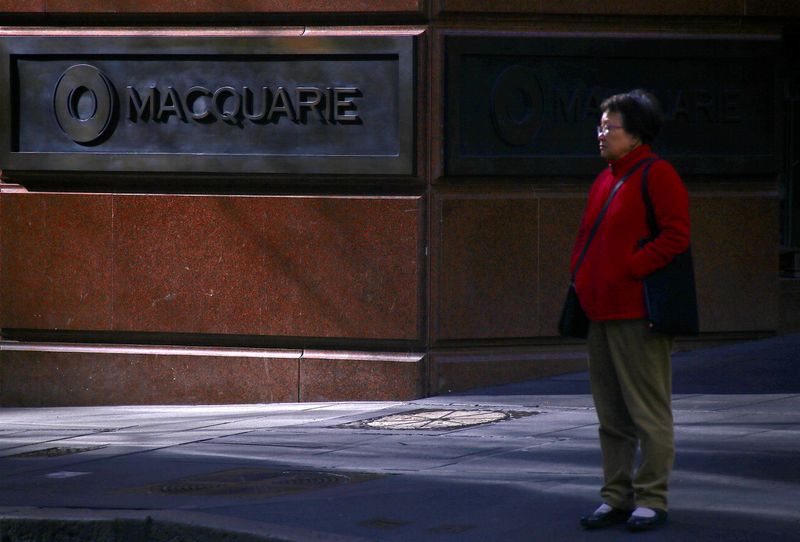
[(613, 517), (636, 523)]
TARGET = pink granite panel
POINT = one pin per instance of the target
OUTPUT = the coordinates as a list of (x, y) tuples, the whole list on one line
[(637, 7), (56, 261), (593, 7), (560, 217), (2, 229), (190, 264), (772, 8), (36, 379), (489, 6), (354, 379), (344, 267), (735, 247), (22, 6), (281, 266), (486, 276), (235, 6), (466, 369), (736, 280), (790, 305)]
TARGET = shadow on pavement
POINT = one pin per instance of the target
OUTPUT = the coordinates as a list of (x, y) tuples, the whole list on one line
[(755, 367)]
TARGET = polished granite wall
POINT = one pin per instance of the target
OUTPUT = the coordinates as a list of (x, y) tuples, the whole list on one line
[(481, 8), (391, 288), (345, 267)]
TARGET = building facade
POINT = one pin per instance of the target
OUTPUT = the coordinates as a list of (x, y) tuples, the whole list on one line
[(244, 202)]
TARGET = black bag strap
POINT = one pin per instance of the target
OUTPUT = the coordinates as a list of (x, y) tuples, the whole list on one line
[(602, 214), (648, 203)]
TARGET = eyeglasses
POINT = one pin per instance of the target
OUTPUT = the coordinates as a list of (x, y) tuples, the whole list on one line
[(603, 131)]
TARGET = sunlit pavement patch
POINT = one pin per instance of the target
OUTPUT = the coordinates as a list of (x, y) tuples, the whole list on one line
[(439, 419), (65, 474)]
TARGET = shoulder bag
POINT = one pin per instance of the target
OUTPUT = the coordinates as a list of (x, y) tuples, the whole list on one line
[(573, 321), (669, 293)]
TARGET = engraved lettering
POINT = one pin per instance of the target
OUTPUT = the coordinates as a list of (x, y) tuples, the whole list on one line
[(229, 96), (729, 108), (327, 105), (170, 105), (591, 108), (281, 105), (193, 98), (344, 109), (139, 108), (569, 106), (680, 107), (704, 105), (309, 99), (249, 103)]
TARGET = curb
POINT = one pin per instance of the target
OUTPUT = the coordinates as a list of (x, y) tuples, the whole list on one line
[(85, 525)]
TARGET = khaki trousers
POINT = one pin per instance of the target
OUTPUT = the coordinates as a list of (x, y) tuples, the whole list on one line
[(631, 378)]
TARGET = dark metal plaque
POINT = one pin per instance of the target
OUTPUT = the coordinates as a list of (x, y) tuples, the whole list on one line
[(205, 104), (529, 105)]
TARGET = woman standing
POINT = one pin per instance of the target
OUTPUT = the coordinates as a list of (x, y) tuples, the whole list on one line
[(629, 363)]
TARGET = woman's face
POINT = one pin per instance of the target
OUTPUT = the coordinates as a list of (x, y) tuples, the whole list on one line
[(614, 141)]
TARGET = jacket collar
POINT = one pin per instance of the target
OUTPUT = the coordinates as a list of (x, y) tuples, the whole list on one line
[(623, 165)]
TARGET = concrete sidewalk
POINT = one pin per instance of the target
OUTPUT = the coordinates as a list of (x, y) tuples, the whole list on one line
[(510, 463)]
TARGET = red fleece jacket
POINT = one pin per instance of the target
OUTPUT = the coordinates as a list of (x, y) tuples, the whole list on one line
[(609, 281)]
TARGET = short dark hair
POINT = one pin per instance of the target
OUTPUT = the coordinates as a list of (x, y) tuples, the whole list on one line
[(640, 112)]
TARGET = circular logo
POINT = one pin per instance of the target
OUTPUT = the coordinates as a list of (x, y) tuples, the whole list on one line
[(516, 105), (85, 104)]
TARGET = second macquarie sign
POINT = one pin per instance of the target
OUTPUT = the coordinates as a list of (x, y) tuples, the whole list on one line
[(528, 105), (208, 104)]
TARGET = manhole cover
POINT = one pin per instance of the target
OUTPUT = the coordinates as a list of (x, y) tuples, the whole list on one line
[(257, 482), (426, 419), (55, 452)]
